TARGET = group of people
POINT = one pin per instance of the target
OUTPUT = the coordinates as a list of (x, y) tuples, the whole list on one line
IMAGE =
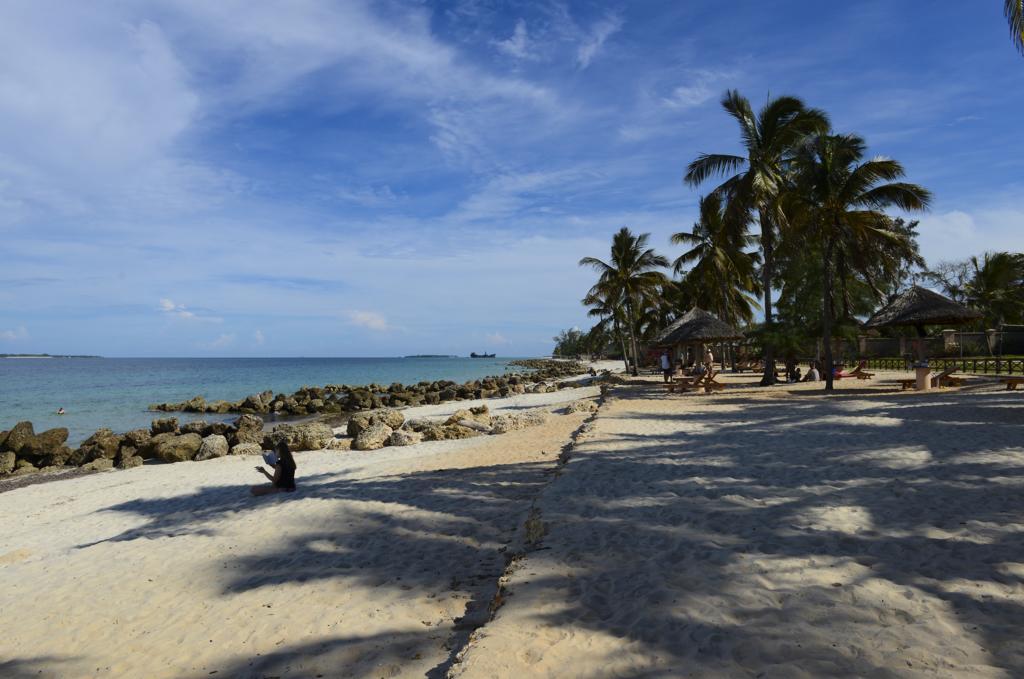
[(701, 368), (793, 373)]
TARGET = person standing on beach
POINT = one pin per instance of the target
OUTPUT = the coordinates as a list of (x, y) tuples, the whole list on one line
[(283, 479), (666, 366), (709, 359)]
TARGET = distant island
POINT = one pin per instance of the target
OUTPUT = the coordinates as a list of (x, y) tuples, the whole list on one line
[(430, 356), (47, 356)]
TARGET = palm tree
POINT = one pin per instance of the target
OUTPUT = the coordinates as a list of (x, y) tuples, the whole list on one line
[(1014, 10), (630, 276), (996, 287), (769, 140), (603, 303), (723, 275), (839, 197)]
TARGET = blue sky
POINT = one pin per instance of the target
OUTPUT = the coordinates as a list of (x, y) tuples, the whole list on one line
[(191, 178)]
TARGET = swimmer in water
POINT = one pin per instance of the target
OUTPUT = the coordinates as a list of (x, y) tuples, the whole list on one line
[(60, 411)]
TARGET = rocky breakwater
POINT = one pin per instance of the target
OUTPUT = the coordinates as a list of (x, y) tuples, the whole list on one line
[(545, 375), (22, 451)]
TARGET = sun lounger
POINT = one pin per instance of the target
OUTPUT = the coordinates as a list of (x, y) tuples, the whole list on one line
[(1012, 382), (859, 372)]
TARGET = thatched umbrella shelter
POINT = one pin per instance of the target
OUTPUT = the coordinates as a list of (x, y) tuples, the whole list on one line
[(693, 329), (918, 307)]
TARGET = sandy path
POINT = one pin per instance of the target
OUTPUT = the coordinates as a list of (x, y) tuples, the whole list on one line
[(173, 570), (778, 536)]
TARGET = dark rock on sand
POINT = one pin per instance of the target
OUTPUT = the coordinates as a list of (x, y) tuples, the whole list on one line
[(179, 448), (164, 426), (7, 462)]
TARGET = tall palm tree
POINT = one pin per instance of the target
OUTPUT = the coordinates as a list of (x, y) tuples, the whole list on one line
[(759, 178), (996, 287), (724, 272), (631, 275), (1014, 10), (603, 303), (840, 198)]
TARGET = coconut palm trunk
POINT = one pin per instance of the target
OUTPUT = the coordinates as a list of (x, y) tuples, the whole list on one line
[(826, 312), (622, 341), (631, 322), (768, 251)]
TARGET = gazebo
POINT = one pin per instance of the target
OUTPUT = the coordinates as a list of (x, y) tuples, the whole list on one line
[(695, 328), (919, 307)]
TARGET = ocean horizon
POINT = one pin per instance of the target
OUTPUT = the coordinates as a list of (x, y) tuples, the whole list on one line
[(115, 392)]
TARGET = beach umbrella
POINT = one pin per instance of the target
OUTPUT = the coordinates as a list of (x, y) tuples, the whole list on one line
[(918, 307)]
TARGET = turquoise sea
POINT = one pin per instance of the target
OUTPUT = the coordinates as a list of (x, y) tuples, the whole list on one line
[(114, 392)]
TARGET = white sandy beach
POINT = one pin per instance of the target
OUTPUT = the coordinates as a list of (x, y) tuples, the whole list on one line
[(758, 532)]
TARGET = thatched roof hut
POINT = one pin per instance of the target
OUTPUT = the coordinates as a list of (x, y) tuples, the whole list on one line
[(920, 307), (697, 326)]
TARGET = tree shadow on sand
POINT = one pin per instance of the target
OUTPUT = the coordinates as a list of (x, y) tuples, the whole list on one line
[(677, 533)]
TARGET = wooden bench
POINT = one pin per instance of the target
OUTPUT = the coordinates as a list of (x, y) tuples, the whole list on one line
[(1012, 382), (681, 383)]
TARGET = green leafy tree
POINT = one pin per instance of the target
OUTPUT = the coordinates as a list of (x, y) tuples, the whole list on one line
[(839, 198), (631, 277), (996, 287), (757, 180)]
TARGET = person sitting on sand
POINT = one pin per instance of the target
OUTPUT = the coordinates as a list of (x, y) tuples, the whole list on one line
[(813, 375), (283, 479)]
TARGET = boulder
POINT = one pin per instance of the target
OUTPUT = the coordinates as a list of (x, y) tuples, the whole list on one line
[(304, 436), (3, 438), (246, 449), (356, 424), (164, 425), (212, 446), (149, 448), (179, 448), (340, 444), (582, 406), (58, 457), (247, 429), (404, 437), (18, 436), (7, 462), (373, 437), (23, 467), (129, 462), (448, 432), (222, 428), (137, 438), (195, 405), (197, 427), (43, 445), (480, 415), (533, 418), (98, 465), (102, 444)]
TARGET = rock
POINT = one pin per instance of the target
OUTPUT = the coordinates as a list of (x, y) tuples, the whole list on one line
[(479, 415), (179, 448), (43, 445), (582, 406), (195, 405), (212, 446), (304, 436), (248, 429), (7, 462), (164, 425), (58, 457), (197, 427), (404, 437), (3, 438), (356, 424), (129, 462), (99, 464), (340, 444), (149, 449), (18, 436), (391, 418), (373, 437), (448, 432), (246, 449), (220, 407), (23, 467), (102, 444), (137, 438), (222, 428)]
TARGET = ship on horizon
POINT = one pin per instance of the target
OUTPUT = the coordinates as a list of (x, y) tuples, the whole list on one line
[(476, 355)]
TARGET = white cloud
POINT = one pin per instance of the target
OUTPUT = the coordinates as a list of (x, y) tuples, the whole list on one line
[(222, 341), (369, 319), (169, 307), (496, 338), (958, 234), (19, 333), (516, 45), (367, 196), (258, 338), (595, 39)]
